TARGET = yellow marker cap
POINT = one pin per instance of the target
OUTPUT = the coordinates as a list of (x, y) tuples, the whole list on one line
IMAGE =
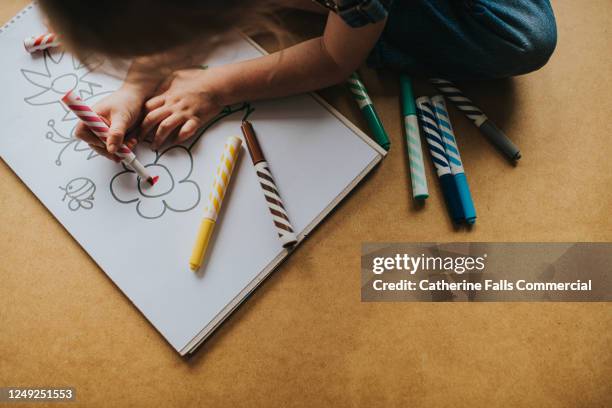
[(201, 243)]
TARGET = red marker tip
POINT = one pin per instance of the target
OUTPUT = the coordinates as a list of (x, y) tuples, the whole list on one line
[(152, 180), (66, 96)]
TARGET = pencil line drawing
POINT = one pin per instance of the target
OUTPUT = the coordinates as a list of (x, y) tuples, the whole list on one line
[(248, 109), (80, 192), (61, 73), (55, 135), (174, 191), (227, 111)]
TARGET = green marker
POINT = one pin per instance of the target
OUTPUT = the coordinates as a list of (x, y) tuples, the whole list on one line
[(366, 106), (413, 141)]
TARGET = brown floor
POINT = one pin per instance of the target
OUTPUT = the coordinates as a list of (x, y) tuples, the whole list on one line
[(304, 338)]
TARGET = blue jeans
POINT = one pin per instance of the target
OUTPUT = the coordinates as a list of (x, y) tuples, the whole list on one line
[(467, 39)]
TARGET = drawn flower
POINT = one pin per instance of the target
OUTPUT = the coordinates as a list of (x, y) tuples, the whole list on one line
[(173, 191), (59, 74), (56, 73)]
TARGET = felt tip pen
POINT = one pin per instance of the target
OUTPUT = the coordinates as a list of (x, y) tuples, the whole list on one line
[(367, 108), (231, 149), (413, 141), (454, 157), (280, 218), (486, 126), (438, 157), (99, 127)]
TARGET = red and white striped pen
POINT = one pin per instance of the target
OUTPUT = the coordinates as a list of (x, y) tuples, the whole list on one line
[(41, 42), (97, 125)]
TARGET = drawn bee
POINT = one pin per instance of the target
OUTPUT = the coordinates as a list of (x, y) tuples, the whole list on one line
[(81, 193)]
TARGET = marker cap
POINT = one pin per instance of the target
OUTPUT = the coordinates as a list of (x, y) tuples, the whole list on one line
[(466, 198), (500, 140), (451, 195), (251, 142), (376, 126), (408, 106)]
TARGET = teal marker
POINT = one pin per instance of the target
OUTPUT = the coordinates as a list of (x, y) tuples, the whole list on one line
[(365, 104), (413, 141)]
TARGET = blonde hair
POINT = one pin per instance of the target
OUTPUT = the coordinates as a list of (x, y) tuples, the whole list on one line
[(132, 28)]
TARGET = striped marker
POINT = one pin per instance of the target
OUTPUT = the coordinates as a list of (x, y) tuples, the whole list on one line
[(413, 141), (99, 127), (454, 157), (41, 42), (438, 157), (367, 108), (215, 199), (280, 218), (488, 128)]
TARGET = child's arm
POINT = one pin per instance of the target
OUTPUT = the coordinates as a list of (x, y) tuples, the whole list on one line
[(189, 98), (308, 66)]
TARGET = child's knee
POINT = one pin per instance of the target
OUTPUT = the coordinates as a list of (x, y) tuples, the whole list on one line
[(539, 45), (506, 59), (533, 43)]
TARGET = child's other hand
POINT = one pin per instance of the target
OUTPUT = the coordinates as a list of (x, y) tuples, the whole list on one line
[(185, 102), (120, 110)]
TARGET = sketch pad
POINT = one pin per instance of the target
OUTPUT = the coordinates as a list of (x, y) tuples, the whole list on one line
[(142, 239)]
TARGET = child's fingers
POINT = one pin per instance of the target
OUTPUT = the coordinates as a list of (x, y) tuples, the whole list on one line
[(152, 119), (131, 142), (165, 84), (119, 124), (188, 130), (103, 152), (155, 102), (165, 128), (91, 139)]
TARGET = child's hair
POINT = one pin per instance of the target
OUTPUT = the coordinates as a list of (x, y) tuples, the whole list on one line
[(129, 28)]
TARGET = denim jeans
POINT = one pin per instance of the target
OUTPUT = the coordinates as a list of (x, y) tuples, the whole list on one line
[(467, 39)]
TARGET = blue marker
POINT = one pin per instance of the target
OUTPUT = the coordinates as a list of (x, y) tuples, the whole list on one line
[(454, 158), (438, 157)]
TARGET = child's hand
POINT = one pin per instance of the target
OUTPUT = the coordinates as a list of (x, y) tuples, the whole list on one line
[(120, 110), (186, 101)]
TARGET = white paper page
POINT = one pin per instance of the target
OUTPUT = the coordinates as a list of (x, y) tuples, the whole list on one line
[(142, 238)]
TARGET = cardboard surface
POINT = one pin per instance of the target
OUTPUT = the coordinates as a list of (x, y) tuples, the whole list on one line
[(304, 338)]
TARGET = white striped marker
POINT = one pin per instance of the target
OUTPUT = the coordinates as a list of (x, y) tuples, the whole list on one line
[(439, 158), (280, 218), (454, 157), (41, 42), (231, 150), (488, 128), (99, 127), (413, 141)]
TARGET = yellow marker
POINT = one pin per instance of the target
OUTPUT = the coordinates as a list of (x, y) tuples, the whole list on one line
[(215, 198)]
